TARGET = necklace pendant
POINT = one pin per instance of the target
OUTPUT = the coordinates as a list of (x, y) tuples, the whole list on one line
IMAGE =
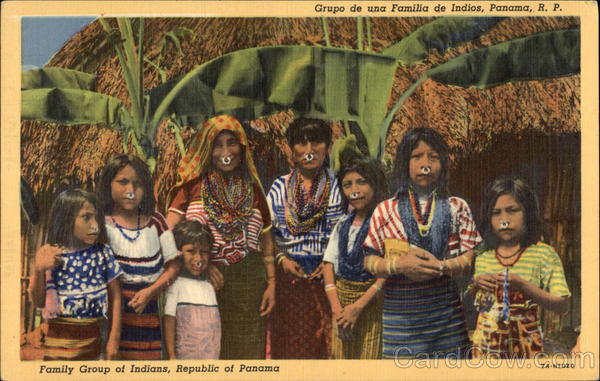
[(423, 230)]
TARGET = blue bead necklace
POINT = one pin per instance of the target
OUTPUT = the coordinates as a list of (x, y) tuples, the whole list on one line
[(137, 233)]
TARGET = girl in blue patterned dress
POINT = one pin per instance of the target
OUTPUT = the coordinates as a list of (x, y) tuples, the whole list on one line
[(76, 271), (144, 247)]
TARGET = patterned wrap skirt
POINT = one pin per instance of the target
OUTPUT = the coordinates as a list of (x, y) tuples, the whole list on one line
[(366, 343), (301, 322), (141, 336), (243, 329), (519, 337), (198, 332), (423, 318), (73, 339)]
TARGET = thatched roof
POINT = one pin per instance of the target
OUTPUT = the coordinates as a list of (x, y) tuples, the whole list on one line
[(466, 116)]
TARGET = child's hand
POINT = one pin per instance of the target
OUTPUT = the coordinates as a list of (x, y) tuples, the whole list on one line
[(268, 300), (112, 349), (515, 282), (486, 282), (349, 315), (292, 267), (215, 276), (140, 300), (317, 273), (47, 257)]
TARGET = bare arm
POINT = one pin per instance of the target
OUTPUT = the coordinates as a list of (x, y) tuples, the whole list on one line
[(46, 257), (268, 246), (169, 332), (351, 312), (114, 335), (334, 301), (416, 266), (174, 218), (142, 297), (558, 304)]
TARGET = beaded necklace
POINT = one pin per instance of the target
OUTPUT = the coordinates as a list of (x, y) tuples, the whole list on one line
[(423, 221), (228, 203), (303, 209), (137, 229)]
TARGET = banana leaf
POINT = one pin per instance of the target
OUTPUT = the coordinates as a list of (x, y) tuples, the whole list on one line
[(74, 107), (49, 77), (538, 56), (327, 83), (440, 34)]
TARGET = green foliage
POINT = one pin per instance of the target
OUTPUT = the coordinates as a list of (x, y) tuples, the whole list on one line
[(49, 77)]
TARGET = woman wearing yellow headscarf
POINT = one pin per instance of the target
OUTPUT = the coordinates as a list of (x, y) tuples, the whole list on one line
[(218, 185)]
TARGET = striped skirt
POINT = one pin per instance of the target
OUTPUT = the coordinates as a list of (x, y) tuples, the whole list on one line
[(423, 318), (301, 322), (366, 343), (243, 329), (140, 333), (73, 339)]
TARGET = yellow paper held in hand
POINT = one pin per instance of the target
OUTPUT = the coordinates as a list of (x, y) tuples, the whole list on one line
[(395, 247)]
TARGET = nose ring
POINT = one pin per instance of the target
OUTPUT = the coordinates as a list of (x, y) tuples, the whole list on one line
[(130, 195), (354, 195), (309, 156), (504, 224), (226, 160), (425, 170), (93, 229)]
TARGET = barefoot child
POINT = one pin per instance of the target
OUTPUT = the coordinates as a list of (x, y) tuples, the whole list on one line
[(352, 291), (192, 324), (79, 269), (144, 247), (517, 276)]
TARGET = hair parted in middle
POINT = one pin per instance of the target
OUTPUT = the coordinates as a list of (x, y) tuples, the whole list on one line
[(371, 170), (409, 142), (63, 213), (108, 173), (302, 130), (524, 195), (192, 232)]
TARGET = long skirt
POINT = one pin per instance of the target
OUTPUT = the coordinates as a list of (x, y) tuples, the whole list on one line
[(243, 329), (423, 318), (141, 337), (301, 324), (73, 339), (198, 332), (366, 342)]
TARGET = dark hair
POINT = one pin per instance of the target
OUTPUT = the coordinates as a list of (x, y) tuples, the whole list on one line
[(192, 232), (108, 173), (372, 171), (304, 129), (63, 213), (524, 195), (409, 142)]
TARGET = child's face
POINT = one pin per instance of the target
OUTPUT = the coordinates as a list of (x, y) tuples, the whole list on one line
[(85, 228), (508, 219), (195, 258), (309, 156), (127, 189), (424, 167), (226, 152), (358, 191)]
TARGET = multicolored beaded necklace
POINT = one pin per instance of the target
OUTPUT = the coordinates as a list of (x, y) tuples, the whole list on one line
[(423, 220), (303, 209), (227, 202), (120, 228)]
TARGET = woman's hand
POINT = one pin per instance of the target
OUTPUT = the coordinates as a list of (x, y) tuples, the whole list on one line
[(418, 265), (486, 282), (268, 300), (215, 276), (292, 267), (140, 300), (317, 273), (112, 349), (349, 315), (48, 257)]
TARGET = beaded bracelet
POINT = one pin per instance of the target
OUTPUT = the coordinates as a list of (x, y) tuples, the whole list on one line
[(268, 259), (376, 287), (280, 257), (270, 277), (329, 287)]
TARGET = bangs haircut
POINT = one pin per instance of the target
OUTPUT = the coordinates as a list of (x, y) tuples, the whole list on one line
[(525, 196), (64, 211), (109, 172), (192, 232), (409, 142), (372, 171), (303, 130)]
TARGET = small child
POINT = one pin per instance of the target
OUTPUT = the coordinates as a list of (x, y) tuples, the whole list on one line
[(79, 269), (192, 324), (516, 276)]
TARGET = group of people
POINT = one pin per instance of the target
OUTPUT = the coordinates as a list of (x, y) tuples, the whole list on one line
[(324, 265)]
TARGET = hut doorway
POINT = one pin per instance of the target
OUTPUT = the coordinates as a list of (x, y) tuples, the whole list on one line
[(551, 164)]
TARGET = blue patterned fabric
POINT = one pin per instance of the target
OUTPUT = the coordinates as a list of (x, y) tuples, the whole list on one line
[(351, 263)]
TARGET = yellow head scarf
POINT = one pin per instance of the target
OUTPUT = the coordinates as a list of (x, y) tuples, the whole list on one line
[(198, 159)]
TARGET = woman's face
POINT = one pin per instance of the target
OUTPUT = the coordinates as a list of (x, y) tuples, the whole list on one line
[(127, 190), (358, 191), (508, 219), (309, 155), (226, 152), (425, 167)]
